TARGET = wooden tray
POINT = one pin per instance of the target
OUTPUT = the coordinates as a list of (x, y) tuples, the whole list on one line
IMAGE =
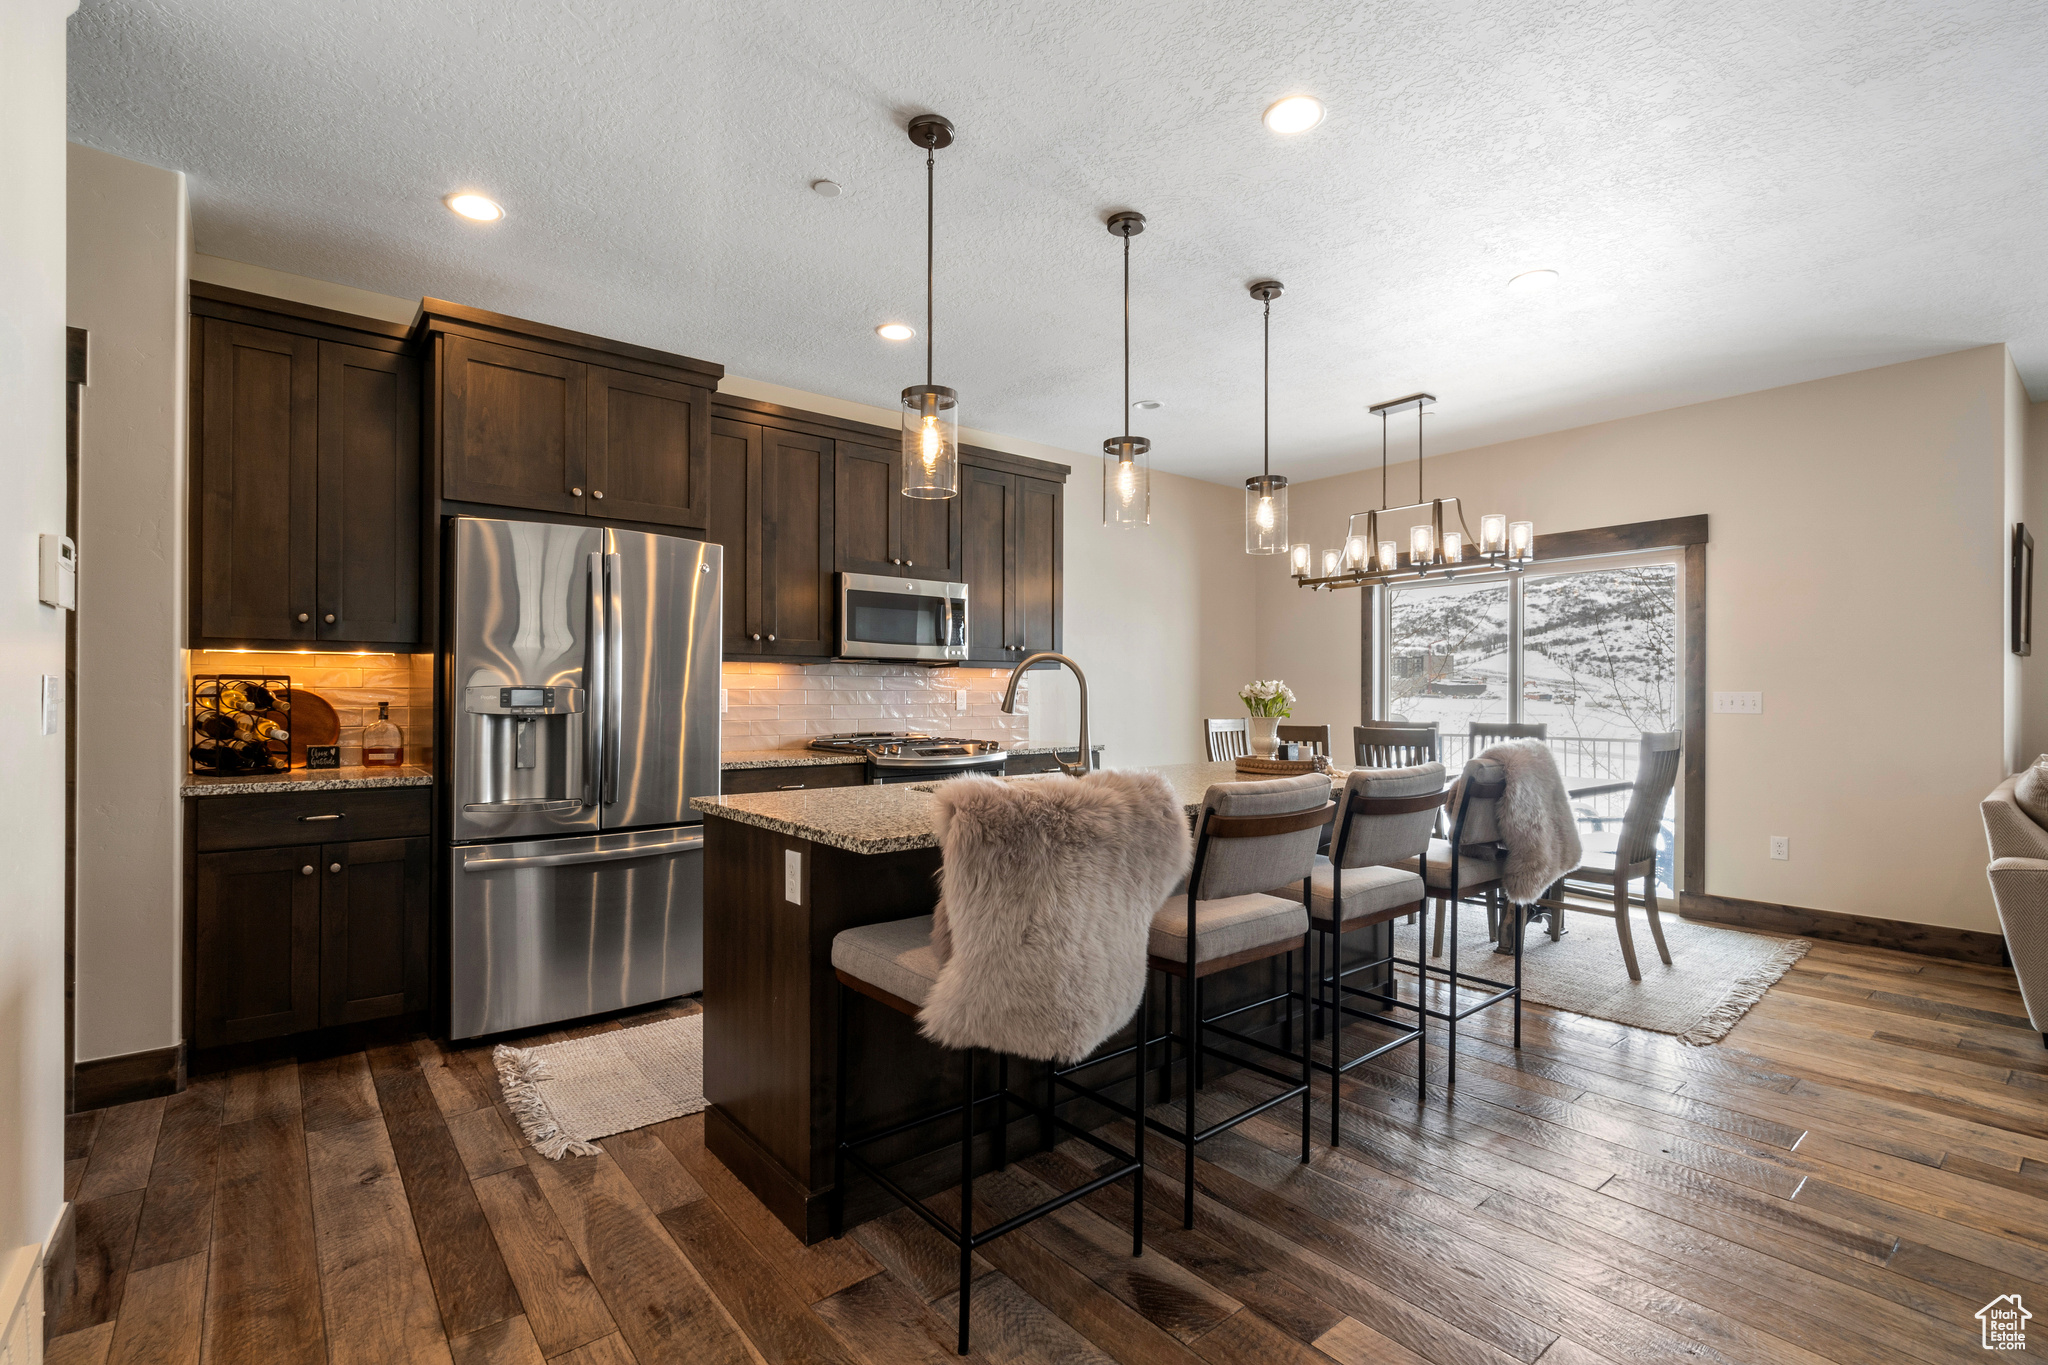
[(312, 721), (1276, 767)]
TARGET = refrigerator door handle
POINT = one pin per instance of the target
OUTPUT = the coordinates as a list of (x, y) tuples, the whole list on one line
[(685, 844), (614, 667), (537, 806), (594, 657)]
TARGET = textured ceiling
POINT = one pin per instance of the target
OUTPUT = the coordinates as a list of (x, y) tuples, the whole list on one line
[(1738, 195)]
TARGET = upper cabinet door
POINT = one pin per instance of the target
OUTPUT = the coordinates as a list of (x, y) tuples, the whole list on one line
[(928, 535), (865, 510), (794, 508), (258, 483), (987, 503), (369, 496), (735, 465), (512, 427), (646, 447), (1037, 566)]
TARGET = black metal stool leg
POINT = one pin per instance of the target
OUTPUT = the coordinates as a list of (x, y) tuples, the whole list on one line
[(1196, 1039), (1333, 949), (1192, 1053), (966, 1190), (839, 1117), (1287, 1020), (1138, 1103), (1421, 1007), (1518, 976), (1307, 1088), (1451, 1024), (1002, 1111)]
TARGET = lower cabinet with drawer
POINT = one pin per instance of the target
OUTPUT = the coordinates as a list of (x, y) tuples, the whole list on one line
[(316, 930)]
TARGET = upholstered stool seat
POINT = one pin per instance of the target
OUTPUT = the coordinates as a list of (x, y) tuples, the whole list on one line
[(1475, 869), (1226, 928), (1370, 893), (896, 958)]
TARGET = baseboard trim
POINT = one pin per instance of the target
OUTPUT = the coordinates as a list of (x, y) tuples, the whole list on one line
[(133, 1076), (1932, 940), (60, 1267)]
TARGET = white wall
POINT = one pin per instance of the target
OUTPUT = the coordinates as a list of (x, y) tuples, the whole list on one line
[(1855, 576), (2013, 509), (31, 639), (2034, 668), (128, 244)]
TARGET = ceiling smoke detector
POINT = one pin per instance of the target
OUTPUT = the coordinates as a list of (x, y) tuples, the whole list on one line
[(829, 189)]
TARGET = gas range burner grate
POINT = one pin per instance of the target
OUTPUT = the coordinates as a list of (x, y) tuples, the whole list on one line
[(908, 744)]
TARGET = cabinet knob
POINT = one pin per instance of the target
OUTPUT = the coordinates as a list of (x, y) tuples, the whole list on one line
[(771, 635), (575, 492), (909, 563), (755, 636), (304, 617), (334, 867), (306, 871), (597, 492), (329, 618), (895, 561)]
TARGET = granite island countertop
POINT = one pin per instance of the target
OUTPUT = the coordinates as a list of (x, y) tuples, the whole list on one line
[(894, 818), (738, 760), (306, 780)]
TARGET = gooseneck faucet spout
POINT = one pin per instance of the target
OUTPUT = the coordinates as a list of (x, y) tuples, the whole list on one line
[(1079, 767)]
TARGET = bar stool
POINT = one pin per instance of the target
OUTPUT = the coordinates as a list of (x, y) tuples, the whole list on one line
[(1049, 893), (1253, 835), (1385, 815), (1465, 865)]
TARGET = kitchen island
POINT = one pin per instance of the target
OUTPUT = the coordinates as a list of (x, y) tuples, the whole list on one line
[(783, 873)]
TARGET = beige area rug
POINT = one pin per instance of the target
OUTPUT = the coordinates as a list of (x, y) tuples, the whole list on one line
[(1716, 974), (565, 1095)]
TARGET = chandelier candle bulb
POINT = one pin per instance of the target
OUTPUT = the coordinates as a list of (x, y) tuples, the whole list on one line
[(1390, 556), (1421, 545), (1493, 533), (1355, 554), (1300, 557), (1329, 563), (1521, 539), (1454, 546)]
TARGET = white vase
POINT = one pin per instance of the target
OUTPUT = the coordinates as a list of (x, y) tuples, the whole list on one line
[(1265, 735)]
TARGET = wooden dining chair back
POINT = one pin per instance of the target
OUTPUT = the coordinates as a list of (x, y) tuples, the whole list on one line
[(1229, 739), (1635, 851), (1317, 736), (1394, 746), (1485, 732)]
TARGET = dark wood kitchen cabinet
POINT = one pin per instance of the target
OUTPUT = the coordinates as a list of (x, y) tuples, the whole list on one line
[(877, 530), (1011, 528), (306, 476), (772, 511), (292, 928), (535, 417)]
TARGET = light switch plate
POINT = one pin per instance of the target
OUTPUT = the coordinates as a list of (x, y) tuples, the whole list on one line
[(793, 876), (53, 704), (1739, 703)]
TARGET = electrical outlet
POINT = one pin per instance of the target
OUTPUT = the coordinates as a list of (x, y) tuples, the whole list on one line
[(1781, 847), (1739, 703), (793, 876), (959, 699)]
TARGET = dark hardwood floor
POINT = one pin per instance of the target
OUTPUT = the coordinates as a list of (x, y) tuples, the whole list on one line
[(1847, 1178)]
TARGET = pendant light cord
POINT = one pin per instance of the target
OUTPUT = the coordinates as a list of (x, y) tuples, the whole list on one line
[(1418, 453), (1383, 463), (1266, 398), (1127, 341), (929, 182)]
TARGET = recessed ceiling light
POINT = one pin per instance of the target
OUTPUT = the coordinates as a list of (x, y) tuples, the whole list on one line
[(1530, 281), (1148, 405), (475, 206), (828, 188), (1295, 114), (896, 331)]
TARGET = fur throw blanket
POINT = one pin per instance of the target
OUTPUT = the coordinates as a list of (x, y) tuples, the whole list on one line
[(1534, 818), (1048, 890)]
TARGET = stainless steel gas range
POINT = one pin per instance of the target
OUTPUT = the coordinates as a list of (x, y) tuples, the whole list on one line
[(911, 756)]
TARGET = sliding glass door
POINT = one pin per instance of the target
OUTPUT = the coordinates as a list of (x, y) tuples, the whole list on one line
[(1593, 652)]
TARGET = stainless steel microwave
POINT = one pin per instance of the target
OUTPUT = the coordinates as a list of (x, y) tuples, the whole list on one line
[(905, 619)]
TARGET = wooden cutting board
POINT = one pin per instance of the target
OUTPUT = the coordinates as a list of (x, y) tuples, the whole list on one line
[(312, 721)]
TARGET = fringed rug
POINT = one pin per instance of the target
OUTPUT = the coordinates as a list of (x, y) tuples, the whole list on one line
[(566, 1095), (1716, 974)]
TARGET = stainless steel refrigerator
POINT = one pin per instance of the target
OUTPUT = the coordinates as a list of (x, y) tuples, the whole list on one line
[(582, 674)]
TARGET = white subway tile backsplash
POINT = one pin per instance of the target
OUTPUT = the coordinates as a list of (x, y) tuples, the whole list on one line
[(775, 705)]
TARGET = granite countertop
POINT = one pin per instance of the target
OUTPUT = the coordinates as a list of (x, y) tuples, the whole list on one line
[(307, 780), (894, 818), (736, 760)]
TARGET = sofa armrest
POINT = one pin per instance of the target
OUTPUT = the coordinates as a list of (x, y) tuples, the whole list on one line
[(2019, 865)]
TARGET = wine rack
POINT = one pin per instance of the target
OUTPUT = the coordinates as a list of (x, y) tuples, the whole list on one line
[(227, 741)]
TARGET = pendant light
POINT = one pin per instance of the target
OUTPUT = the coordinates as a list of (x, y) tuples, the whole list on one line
[(1265, 497), (931, 412), (1127, 459)]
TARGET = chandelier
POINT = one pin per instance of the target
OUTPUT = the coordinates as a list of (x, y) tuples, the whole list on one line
[(1433, 551)]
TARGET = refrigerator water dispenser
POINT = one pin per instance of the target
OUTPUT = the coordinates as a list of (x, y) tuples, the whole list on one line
[(525, 749)]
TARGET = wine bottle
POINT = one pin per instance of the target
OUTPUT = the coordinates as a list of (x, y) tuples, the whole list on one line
[(383, 741), (263, 699), (214, 725), (234, 696)]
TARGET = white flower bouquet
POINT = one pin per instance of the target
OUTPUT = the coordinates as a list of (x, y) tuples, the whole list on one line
[(1271, 698)]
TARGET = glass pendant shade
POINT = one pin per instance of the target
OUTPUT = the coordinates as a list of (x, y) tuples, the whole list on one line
[(1265, 515), (1329, 563), (1421, 545), (931, 441), (1299, 555), (1493, 533), (1390, 556), (1454, 546), (1127, 481), (1355, 553), (1521, 539)]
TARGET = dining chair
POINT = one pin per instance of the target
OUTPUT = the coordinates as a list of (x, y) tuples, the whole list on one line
[(1317, 736), (1633, 852), (1229, 739), (1387, 745), (1486, 732)]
